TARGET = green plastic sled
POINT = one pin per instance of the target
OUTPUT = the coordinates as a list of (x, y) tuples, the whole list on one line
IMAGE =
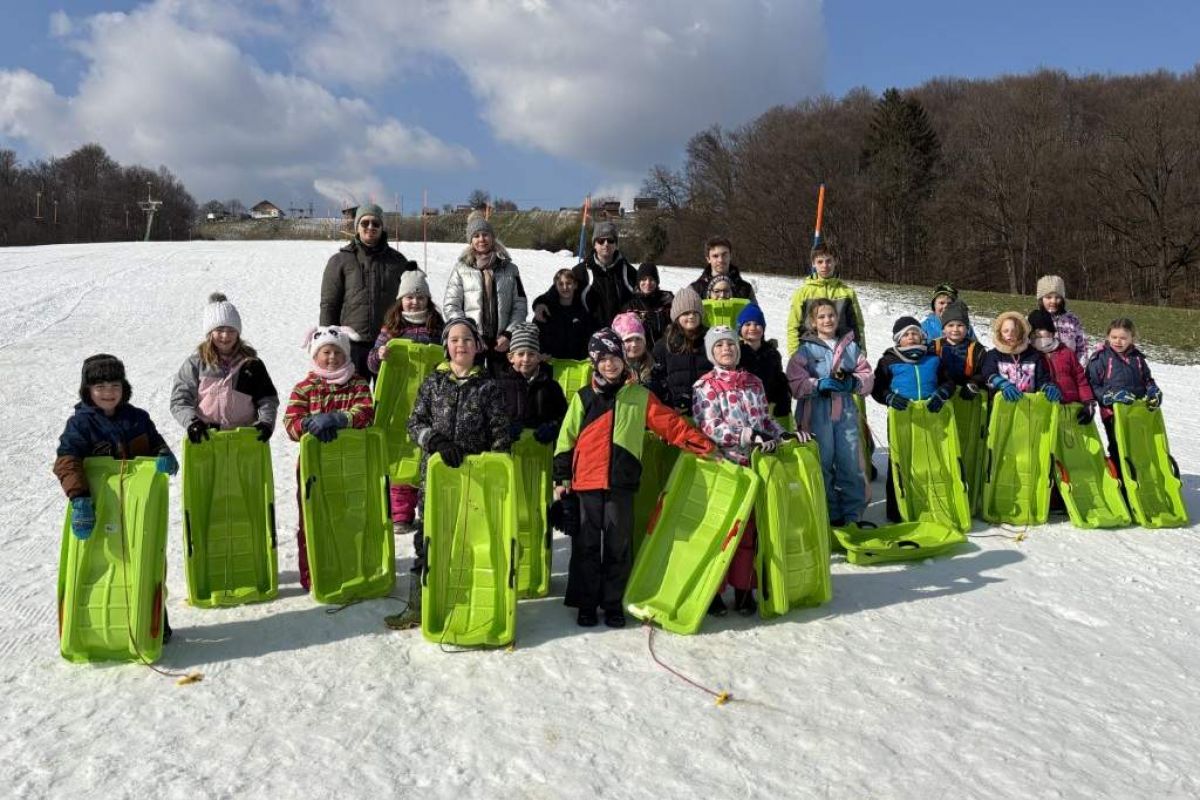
[(792, 561), (906, 541), (571, 375), (692, 541), (347, 516), (468, 591), (971, 417), (1021, 436), (229, 520), (532, 462), (110, 586), (724, 312), (658, 458), (1090, 489), (1151, 475), (928, 473), (406, 367)]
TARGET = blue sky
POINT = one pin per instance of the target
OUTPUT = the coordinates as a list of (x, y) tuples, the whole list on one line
[(541, 101)]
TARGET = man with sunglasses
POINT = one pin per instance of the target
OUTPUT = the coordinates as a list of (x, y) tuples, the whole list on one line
[(360, 283), (608, 280)]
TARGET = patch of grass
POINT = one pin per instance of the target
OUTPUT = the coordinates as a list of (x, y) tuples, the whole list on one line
[(1170, 335)]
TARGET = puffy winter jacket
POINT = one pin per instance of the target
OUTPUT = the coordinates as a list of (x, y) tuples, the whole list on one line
[(359, 285), (681, 367), (730, 406), (469, 411), (916, 379), (428, 332), (1021, 365), (605, 290), (1068, 375), (566, 330), (766, 364), (128, 433), (530, 401), (315, 395), (464, 293), (816, 359), (600, 444), (1110, 371), (741, 286), (1070, 332), (230, 396), (844, 298), (962, 362)]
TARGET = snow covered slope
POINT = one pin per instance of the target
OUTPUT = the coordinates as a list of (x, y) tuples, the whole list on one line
[(1058, 666)]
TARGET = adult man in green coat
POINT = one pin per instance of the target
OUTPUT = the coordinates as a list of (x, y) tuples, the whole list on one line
[(361, 281)]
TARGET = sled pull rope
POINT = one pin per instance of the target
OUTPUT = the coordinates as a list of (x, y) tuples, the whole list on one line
[(182, 678), (721, 697)]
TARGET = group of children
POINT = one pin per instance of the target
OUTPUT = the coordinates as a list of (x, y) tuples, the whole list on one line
[(650, 372)]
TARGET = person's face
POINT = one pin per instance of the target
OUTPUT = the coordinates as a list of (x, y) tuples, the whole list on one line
[(1052, 302), (610, 367), (955, 332), (525, 361), (224, 339), (824, 265), (752, 334), (647, 285), (605, 247), (826, 321), (718, 259), (565, 286), (939, 303), (413, 303), (370, 229), (725, 352), (106, 396), (689, 321), (1010, 334), (721, 292), (635, 347), (330, 357), (482, 243), (1120, 339), (461, 346), (911, 338)]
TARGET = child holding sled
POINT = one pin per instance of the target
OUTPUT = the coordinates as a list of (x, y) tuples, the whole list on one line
[(1118, 373), (598, 458)]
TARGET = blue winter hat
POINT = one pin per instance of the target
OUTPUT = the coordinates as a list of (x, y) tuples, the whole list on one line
[(751, 313)]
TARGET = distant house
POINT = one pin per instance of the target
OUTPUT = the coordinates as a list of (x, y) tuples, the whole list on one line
[(645, 203), (611, 208), (266, 210), (350, 212)]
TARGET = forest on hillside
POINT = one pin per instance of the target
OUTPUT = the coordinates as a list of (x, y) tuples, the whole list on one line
[(987, 184)]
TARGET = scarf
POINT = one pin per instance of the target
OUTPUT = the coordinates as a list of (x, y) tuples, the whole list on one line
[(337, 377), (1045, 344), (487, 308), (416, 317)]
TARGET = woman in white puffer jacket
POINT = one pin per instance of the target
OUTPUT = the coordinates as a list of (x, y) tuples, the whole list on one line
[(485, 285)]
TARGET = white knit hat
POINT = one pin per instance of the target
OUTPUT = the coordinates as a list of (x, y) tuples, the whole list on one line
[(720, 333), (220, 313), (413, 282), (338, 335)]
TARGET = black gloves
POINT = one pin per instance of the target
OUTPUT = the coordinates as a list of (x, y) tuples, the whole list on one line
[(452, 455), (197, 432), (264, 431)]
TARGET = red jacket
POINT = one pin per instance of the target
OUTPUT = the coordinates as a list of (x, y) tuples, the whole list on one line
[(1068, 374)]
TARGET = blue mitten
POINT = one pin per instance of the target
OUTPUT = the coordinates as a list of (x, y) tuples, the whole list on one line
[(166, 464), (1153, 396), (83, 517), (1005, 387), (325, 425), (1052, 392), (939, 398)]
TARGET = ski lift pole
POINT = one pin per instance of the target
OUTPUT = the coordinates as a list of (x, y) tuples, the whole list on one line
[(587, 201)]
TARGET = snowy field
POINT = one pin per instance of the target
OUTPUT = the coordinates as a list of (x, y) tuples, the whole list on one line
[(1062, 665)]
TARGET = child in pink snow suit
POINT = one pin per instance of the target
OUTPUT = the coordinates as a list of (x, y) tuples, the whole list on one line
[(730, 407), (413, 317), (329, 398), (223, 385)]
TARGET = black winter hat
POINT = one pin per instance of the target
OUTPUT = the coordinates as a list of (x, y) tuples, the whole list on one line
[(470, 323), (605, 342), (103, 368), (648, 269), (956, 311), (903, 324), (943, 289), (1040, 320)]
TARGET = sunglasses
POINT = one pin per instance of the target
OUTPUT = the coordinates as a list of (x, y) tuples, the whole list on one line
[(603, 240), (370, 223)]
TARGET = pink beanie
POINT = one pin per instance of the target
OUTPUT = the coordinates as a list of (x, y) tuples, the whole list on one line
[(627, 325)]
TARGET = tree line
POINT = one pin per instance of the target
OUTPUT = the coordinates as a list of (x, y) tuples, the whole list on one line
[(86, 196), (987, 184)]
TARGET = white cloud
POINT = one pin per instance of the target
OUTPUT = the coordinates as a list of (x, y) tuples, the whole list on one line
[(625, 192), (165, 85), (352, 192), (618, 84)]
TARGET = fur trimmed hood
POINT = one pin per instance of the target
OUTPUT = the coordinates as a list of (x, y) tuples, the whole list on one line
[(1022, 325)]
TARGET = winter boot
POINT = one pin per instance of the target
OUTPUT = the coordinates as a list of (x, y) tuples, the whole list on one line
[(587, 618), (744, 602), (717, 607), (410, 617), (614, 619)]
